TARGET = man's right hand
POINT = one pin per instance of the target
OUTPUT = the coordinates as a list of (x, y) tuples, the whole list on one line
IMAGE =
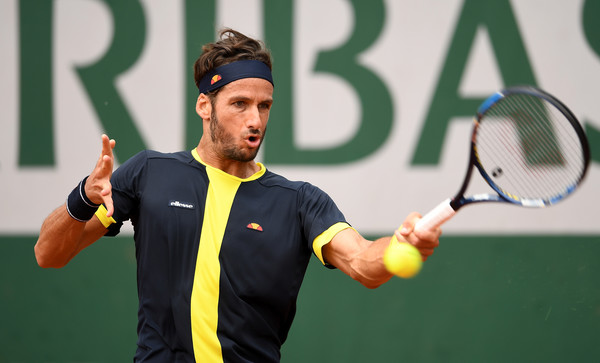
[(97, 187)]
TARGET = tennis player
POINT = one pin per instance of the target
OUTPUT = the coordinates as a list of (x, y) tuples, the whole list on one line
[(222, 243)]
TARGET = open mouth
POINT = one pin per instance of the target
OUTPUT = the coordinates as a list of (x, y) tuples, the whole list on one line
[(253, 140)]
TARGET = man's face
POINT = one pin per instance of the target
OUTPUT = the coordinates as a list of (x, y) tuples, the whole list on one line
[(239, 118)]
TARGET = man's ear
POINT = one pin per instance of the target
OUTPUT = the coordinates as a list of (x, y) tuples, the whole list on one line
[(203, 106)]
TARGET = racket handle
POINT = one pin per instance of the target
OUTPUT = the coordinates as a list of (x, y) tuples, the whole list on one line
[(436, 217)]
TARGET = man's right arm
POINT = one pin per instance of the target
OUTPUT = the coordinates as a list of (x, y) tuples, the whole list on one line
[(67, 231), (62, 238)]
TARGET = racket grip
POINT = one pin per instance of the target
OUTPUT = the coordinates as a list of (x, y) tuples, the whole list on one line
[(436, 217)]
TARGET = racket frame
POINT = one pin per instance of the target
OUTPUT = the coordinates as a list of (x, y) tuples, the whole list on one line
[(448, 208), (460, 200)]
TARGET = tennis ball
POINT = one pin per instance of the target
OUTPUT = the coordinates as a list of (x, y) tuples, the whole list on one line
[(402, 259)]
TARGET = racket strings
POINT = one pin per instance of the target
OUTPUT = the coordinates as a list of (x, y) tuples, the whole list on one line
[(563, 126), (535, 152), (529, 148), (504, 168), (543, 126), (533, 143)]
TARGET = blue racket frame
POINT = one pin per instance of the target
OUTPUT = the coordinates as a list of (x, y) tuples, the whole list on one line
[(502, 196)]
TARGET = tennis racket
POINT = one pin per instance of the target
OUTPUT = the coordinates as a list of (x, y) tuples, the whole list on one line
[(530, 149)]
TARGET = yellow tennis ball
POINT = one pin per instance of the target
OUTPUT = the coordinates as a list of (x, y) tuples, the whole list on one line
[(402, 259)]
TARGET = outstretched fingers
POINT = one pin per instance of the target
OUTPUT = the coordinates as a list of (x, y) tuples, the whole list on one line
[(98, 187), (107, 159)]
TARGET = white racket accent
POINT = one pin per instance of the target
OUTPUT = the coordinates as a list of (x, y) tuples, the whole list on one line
[(436, 217)]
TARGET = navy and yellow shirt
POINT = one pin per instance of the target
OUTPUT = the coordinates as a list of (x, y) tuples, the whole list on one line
[(220, 259)]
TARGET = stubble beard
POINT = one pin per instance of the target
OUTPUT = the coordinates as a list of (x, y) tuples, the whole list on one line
[(226, 145)]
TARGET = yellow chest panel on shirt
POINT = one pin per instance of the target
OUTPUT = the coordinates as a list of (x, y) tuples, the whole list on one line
[(205, 291)]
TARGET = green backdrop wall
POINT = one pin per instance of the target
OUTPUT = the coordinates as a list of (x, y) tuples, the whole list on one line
[(478, 299)]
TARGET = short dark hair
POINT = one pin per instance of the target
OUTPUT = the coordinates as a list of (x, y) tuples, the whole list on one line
[(232, 46)]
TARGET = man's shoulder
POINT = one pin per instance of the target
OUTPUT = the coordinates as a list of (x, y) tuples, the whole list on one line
[(150, 156), (184, 156), (143, 161), (272, 179)]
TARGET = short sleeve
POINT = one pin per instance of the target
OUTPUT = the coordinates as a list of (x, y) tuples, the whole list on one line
[(318, 213)]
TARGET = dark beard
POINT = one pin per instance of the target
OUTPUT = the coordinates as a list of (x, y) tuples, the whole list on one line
[(219, 136)]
